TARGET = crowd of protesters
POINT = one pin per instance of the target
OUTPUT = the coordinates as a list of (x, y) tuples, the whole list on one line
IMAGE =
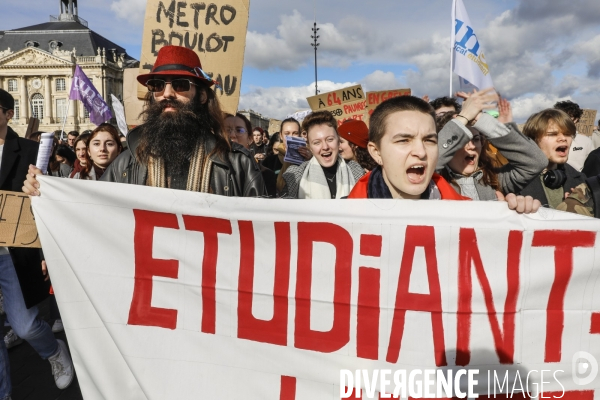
[(412, 149)]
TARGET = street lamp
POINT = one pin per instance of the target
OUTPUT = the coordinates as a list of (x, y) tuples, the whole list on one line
[(314, 36)]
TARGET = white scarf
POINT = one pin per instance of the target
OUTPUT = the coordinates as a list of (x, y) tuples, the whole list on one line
[(313, 184)]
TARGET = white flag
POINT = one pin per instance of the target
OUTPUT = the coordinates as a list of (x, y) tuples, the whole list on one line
[(468, 59), (119, 114)]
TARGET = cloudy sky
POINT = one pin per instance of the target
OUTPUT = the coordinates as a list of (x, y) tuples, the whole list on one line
[(538, 51)]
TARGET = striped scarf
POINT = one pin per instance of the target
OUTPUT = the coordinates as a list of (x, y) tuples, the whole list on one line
[(198, 177)]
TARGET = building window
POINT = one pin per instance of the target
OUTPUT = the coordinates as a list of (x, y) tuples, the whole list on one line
[(61, 109), (37, 103), (61, 86), (12, 85), (86, 113), (17, 110)]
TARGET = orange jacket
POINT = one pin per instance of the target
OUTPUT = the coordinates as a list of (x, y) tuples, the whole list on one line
[(446, 190)]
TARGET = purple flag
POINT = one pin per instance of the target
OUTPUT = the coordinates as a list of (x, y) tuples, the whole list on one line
[(83, 90)]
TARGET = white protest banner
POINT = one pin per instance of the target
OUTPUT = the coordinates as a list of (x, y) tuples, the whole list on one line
[(468, 58), (216, 31), (178, 295)]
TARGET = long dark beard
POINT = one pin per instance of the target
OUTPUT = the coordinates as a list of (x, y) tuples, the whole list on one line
[(173, 136)]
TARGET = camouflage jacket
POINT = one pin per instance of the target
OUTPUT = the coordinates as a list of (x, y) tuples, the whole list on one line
[(580, 201)]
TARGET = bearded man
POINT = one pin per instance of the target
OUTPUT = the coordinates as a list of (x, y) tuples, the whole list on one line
[(181, 144)]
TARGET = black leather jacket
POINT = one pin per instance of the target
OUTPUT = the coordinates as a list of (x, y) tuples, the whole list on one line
[(238, 175)]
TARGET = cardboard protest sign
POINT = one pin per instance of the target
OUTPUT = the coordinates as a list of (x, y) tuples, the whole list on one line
[(586, 123), (344, 104), (17, 225), (196, 296), (216, 31), (133, 105), (274, 126), (376, 98)]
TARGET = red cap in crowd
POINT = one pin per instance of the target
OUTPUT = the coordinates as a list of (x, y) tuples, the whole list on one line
[(176, 61), (356, 132)]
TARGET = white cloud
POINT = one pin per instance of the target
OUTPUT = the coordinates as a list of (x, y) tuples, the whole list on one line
[(277, 102), (131, 10), (380, 80)]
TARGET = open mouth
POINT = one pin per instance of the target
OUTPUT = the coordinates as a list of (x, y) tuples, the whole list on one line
[(416, 174), (327, 156), (562, 151), (470, 160)]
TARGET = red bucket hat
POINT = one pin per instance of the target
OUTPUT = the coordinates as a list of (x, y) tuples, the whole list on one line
[(177, 61), (355, 131)]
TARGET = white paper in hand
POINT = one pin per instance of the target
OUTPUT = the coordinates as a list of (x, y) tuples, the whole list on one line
[(45, 150)]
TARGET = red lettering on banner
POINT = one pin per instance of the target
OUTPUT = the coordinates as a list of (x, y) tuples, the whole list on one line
[(563, 242), (339, 335), (210, 227), (275, 330), (595, 325), (370, 245), (418, 236), (288, 388), (367, 329), (141, 311), (468, 254)]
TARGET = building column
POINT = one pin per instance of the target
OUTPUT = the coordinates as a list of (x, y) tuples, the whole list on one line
[(71, 120), (25, 107), (48, 114)]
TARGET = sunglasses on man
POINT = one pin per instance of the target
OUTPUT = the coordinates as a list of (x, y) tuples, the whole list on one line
[(178, 85)]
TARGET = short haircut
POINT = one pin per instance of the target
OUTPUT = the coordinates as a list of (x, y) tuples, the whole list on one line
[(73, 133), (572, 109), (379, 117), (319, 118), (537, 125), (446, 102), (7, 102), (258, 128), (285, 121)]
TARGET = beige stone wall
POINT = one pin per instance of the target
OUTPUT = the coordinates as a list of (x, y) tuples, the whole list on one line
[(36, 73)]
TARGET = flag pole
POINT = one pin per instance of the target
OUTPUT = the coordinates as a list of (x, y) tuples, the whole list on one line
[(452, 40)]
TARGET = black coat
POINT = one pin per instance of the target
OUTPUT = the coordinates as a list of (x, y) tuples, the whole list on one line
[(238, 175), (18, 153), (592, 164), (536, 190)]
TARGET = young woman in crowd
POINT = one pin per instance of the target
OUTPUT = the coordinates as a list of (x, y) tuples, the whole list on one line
[(239, 129), (103, 147), (354, 138), (80, 146), (464, 160), (326, 175), (404, 143)]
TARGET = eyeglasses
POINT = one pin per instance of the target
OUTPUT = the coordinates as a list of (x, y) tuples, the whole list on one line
[(178, 85), (238, 131), (5, 109)]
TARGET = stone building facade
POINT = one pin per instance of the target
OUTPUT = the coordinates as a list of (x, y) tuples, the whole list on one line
[(37, 64)]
